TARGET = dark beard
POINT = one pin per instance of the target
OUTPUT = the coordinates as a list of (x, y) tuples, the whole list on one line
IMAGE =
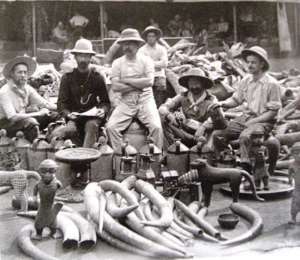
[(83, 65)]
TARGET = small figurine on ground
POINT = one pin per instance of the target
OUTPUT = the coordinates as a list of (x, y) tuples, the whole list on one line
[(46, 188), (294, 172)]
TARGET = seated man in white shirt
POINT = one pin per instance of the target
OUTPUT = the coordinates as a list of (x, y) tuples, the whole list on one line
[(17, 99), (132, 76)]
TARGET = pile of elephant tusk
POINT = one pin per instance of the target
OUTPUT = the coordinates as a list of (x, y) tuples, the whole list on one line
[(134, 216)]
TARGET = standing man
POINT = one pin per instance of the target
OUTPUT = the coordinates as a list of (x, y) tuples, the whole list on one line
[(81, 90), (78, 23), (133, 76), (21, 107), (260, 94), (159, 55)]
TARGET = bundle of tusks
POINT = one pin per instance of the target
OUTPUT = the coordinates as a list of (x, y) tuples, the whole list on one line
[(134, 216)]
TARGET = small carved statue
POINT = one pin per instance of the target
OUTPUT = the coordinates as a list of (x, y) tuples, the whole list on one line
[(258, 155), (294, 172), (46, 188)]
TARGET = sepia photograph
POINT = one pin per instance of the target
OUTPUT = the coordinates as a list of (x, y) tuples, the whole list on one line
[(150, 129)]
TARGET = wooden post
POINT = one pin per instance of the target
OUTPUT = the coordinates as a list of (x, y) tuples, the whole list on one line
[(102, 26), (34, 29), (235, 34), (296, 27)]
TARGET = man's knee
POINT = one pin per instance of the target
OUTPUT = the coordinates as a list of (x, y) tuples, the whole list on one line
[(155, 127), (30, 122), (111, 126)]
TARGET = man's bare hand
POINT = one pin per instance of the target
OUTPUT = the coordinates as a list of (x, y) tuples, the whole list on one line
[(100, 113), (72, 116), (172, 119), (44, 112)]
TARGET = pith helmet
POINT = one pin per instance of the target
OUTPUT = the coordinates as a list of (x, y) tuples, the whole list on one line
[(153, 29), (130, 34), (257, 51), (197, 73), (83, 46)]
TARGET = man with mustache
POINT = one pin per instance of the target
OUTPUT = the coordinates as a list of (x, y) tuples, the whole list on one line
[(196, 106), (21, 107), (133, 76), (260, 95), (81, 90)]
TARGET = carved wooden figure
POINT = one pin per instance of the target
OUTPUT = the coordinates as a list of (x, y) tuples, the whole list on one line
[(46, 188), (258, 155)]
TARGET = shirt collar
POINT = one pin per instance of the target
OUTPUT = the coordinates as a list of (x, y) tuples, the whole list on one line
[(22, 92), (262, 79), (195, 103)]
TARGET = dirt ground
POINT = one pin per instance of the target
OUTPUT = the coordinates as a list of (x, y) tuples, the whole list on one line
[(277, 239)]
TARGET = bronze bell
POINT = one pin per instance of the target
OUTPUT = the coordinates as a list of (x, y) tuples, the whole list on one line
[(5, 142), (102, 169), (125, 150), (38, 152), (22, 146), (145, 168), (127, 168), (178, 157), (151, 149)]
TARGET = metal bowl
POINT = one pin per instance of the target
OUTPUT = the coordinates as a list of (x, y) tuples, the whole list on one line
[(228, 220)]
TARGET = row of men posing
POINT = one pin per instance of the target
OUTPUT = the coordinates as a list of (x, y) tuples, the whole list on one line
[(135, 76)]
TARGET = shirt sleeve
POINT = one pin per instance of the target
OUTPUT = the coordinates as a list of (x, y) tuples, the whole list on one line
[(274, 102), (170, 105), (149, 67), (7, 106), (63, 97), (116, 70), (36, 99), (238, 95)]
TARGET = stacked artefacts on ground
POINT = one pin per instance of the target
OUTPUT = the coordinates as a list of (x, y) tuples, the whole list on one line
[(132, 214)]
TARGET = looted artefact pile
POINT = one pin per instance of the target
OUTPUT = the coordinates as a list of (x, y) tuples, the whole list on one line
[(134, 216)]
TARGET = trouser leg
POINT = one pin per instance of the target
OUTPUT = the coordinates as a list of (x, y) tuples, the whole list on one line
[(149, 116), (69, 131), (159, 90), (120, 119), (91, 129)]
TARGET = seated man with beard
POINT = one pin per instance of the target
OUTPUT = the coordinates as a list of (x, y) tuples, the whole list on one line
[(81, 90), (198, 113)]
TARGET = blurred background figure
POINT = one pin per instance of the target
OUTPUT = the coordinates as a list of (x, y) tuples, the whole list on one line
[(60, 35), (78, 23), (175, 26), (153, 23)]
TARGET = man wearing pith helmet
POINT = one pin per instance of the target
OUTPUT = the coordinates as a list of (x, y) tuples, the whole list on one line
[(81, 90), (196, 119), (159, 55), (260, 94), (133, 76)]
